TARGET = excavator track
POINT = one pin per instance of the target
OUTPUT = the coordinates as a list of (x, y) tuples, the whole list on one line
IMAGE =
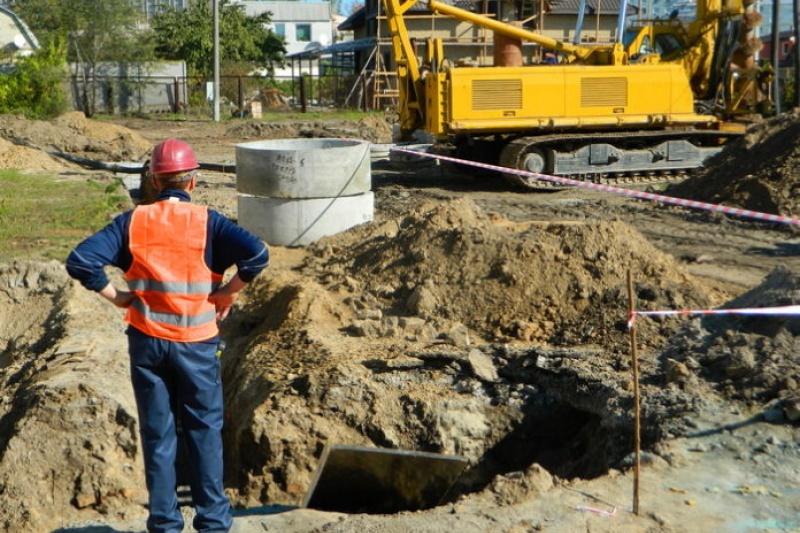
[(630, 158)]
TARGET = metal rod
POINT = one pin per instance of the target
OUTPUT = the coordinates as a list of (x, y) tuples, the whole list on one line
[(795, 51), (216, 59), (576, 39), (636, 399), (623, 11), (776, 45)]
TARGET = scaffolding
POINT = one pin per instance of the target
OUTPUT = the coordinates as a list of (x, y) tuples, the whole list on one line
[(375, 86)]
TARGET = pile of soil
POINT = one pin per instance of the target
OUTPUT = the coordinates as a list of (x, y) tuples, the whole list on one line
[(30, 159), (70, 134), (372, 128), (68, 425), (409, 315), (272, 99), (755, 359), (760, 172), (560, 283)]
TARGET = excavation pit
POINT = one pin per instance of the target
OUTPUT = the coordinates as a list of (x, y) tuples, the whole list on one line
[(356, 479)]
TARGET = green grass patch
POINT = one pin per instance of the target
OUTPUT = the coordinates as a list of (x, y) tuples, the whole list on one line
[(43, 217)]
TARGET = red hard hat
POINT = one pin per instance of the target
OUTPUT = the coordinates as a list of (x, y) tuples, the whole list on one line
[(171, 156)]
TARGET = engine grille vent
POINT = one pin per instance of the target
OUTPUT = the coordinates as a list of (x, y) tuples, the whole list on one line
[(602, 92), (490, 95)]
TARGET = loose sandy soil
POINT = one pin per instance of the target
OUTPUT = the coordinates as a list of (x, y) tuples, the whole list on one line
[(467, 319)]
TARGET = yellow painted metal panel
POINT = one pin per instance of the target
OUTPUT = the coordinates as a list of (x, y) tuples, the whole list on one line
[(605, 91), (436, 112), (630, 121), (553, 97), (497, 94)]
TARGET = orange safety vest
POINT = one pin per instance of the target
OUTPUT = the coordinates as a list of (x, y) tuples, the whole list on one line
[(169, 275)]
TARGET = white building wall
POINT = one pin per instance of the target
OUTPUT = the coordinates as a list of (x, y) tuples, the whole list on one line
[(15, 36), (303, 25), (151, 7)]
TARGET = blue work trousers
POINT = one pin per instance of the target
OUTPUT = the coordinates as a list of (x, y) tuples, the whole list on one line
[(180, 379)]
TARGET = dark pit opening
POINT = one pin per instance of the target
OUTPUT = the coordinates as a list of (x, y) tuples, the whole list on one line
[(355, 479), (543, 408), (565, 441)]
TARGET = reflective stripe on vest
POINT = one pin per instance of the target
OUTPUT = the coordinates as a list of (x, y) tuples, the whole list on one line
[(173, 319), (169, 275)]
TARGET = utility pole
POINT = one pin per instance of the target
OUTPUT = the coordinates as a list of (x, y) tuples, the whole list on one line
[(215, 8), (796, 52), (776, 44)]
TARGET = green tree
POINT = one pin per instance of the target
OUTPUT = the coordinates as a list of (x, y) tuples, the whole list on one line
[(188, 34), (34, 86), (94, 32)]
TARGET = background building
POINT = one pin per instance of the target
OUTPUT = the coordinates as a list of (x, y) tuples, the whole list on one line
[(370, 53), (16, 39), (151, 7), (307, 28)]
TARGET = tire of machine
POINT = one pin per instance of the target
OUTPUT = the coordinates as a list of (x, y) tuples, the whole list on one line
[(516, 155), (534, 161)]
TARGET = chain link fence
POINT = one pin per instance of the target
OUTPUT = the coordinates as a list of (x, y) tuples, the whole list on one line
[(194, 96)]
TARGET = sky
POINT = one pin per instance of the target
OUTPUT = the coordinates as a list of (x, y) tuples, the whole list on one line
[(347, 6), (786, 14)]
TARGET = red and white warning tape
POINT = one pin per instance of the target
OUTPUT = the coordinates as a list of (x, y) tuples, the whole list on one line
[(734, 211), (612, 513), (789, 310)]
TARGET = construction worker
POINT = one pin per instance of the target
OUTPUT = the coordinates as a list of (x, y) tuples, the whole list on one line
[(173, 255)]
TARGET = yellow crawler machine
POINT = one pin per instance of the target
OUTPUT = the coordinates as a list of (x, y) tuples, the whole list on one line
[(660, 101)]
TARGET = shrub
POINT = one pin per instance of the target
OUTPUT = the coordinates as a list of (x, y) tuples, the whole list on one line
[(34, 86)]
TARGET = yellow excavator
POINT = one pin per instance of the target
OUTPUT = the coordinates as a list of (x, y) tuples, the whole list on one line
[(656, 103)]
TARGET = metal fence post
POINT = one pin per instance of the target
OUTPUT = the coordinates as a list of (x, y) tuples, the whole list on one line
[(176, 101), (303, 105), (240, 83)]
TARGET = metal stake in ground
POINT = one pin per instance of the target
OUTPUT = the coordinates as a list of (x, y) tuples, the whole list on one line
[(636, 413)]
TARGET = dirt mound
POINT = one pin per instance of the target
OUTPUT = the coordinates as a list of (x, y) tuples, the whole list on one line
[(297, 381), (29, 159), (751, 358), (758, 172), (375, 129), (272, 99), (392, 319), (75, 135), (68, 438), (372, 129), (547, 282), (322, 354)]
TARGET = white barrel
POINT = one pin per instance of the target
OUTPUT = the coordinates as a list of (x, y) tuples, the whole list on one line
[(303, 221), (303, 168)]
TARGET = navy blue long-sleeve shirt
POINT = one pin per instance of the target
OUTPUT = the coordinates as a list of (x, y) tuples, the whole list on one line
[(227, 245)]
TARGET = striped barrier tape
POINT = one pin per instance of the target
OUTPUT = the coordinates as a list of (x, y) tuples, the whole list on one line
[(692, 204), (788, 310), (612, 513)]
